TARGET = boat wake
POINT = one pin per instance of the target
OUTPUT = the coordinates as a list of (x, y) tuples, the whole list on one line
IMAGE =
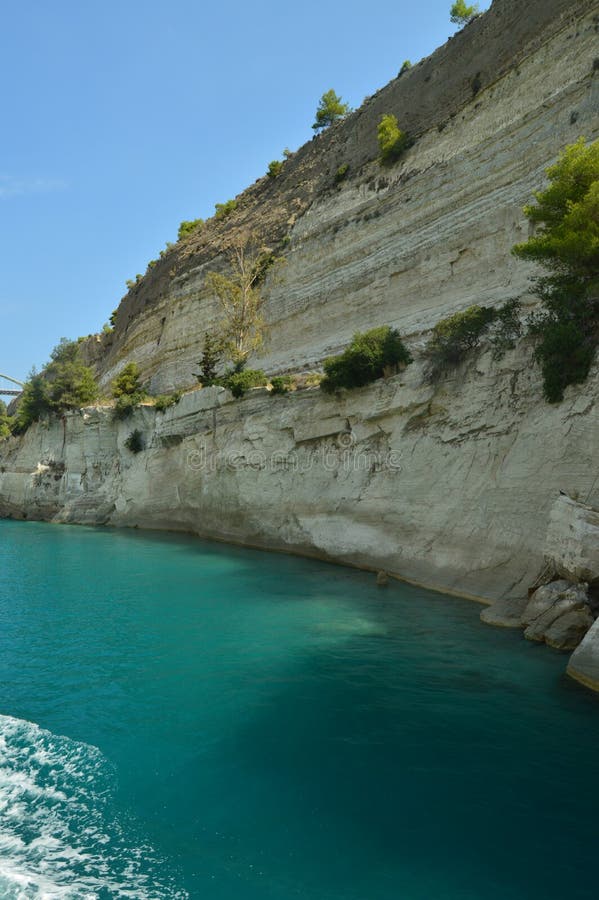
[(60, 838)]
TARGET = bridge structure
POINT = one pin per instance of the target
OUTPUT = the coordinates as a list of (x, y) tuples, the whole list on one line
[(10, 392)]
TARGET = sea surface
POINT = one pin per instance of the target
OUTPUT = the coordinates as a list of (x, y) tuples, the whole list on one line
[(180, 719)]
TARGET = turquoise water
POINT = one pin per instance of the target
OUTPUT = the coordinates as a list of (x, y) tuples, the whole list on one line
[(182, 719)]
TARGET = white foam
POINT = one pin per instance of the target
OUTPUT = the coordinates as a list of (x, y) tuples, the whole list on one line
[(59, 838)]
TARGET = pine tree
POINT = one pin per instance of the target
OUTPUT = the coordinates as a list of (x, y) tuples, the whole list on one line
[(330, 109)]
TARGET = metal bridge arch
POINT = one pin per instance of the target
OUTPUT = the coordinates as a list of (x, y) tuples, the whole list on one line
[(10, 392)]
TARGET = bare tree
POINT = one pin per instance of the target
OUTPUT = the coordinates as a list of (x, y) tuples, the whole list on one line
[(243, 328)]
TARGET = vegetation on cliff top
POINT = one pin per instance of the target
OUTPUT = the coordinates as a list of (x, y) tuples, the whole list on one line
[(330, 109), (64, 383), (460, 13)]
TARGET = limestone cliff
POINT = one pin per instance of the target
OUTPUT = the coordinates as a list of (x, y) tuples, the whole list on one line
[(453, 485), (489, 111)]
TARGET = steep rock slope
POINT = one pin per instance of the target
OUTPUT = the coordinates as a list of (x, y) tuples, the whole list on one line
[(452, 486), (489, 111)]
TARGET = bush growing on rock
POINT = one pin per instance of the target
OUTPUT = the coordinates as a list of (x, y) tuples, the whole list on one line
[(274, 168), (392, 140), (454, 336), (566, 245), (240, 382), (165, 401), (222, 210), (127, 390), (371, 355), (188, 227), (341, 173), (457, 335), (135, 442), (281, 384)]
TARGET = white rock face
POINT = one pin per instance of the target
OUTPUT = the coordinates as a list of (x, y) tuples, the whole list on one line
[(572, 544), (584, 662), (408, 245), (449, 486)]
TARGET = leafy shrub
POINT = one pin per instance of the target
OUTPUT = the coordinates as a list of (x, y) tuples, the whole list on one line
[(405, 67), (371, 355), (127, 390), (281, 384), (187, 227), (566, 244), (34, 402), (274, 168), (392, 140), (135, 441), (239, 382), (128, 382), (506, 327), (165, 401), (330, 109), (454, 336), (460, 13), (7, 422), (457, 335), (565, 357), (127, 404), (222, 210), (341, 173)]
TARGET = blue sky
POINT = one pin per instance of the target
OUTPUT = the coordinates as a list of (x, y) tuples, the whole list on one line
[(121, 119)]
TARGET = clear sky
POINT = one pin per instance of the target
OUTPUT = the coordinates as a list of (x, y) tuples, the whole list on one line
[(121, 119)]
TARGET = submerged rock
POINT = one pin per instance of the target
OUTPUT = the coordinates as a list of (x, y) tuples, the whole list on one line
[(505, 613), (382, 579)]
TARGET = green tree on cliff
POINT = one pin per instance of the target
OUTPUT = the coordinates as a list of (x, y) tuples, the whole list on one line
[(566, 245), (330, 109), (6, 421), (211, 357), (392, 140), (242, 328), (127, 390), (64, 383), (461, 14)]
